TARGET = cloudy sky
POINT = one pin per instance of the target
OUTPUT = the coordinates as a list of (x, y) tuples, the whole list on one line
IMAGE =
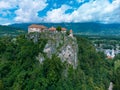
[(56, 11)]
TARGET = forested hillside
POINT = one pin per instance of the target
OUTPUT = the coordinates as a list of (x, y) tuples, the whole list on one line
[(20, 70), (11, 31)]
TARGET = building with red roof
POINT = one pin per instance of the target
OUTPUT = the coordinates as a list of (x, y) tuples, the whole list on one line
[(52, 29), (36, 28), (63, 30)]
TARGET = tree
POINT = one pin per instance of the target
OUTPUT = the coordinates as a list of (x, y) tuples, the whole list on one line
[(68, 32), (52, 69), (117, 79), (58, 28), (1, 85)]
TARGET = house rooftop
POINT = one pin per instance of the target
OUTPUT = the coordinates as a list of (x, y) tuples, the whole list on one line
[(52, 29), (37, 26), (63, 29)]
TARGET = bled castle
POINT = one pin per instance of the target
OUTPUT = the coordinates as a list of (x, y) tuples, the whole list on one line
[(58, 42)]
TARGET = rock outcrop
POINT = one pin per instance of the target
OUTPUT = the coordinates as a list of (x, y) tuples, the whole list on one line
[(64, 46)]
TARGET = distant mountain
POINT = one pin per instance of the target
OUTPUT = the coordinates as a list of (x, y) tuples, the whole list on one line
[(9, 30), (81, 28)]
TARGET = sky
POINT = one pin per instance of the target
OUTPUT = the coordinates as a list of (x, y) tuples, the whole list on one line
[(58, 11)]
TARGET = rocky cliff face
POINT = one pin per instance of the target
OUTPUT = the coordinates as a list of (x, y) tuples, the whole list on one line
[(68, 52), (64, 46)]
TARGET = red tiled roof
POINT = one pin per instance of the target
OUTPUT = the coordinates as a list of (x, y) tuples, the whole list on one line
[(52, 29), (37, 26), (63, 29)]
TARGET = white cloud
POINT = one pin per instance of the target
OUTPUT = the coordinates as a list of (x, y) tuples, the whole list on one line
[(8, 4), (4, 5), (95, 10), (99, 10), (57, 15), (25, 10), (28, 10)]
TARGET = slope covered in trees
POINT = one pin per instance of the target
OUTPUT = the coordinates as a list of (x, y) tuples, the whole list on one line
[(20, 70), (11, 31)]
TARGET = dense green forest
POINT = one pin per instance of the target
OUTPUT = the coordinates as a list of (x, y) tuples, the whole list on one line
[(11, 31), (20, 70)]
